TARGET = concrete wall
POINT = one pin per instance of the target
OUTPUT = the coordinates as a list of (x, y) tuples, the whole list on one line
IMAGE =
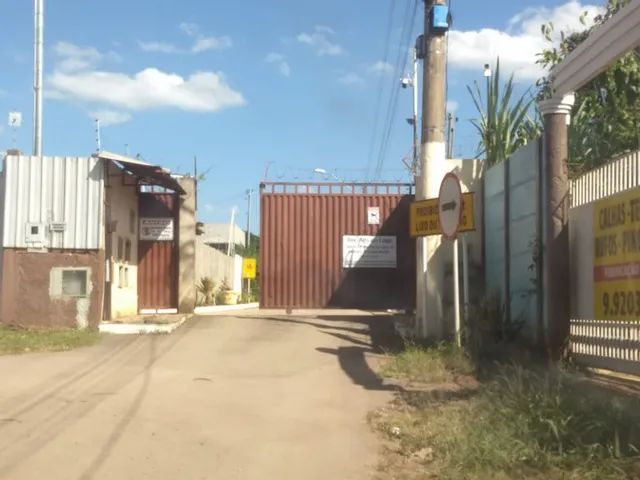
[(122, 198), (512, 247), (187, 247), (33, 293), (581, 249), (212, 263)]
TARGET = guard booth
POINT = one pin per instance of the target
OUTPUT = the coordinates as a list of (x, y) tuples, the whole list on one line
[(336, 245)]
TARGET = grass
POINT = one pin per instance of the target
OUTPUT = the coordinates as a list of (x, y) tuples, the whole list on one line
[(18, 340), (441, 363), (519, 424)]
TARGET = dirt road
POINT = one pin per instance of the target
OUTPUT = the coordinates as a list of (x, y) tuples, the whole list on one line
[(250, 397)]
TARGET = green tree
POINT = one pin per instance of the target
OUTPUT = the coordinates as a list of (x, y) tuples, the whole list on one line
[(504, 122), (606, 115)]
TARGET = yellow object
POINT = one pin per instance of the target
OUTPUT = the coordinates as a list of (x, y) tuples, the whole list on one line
[(423, 217), (616, 262), (249, 268)]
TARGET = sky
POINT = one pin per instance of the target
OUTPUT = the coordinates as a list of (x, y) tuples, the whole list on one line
[(278, 88)]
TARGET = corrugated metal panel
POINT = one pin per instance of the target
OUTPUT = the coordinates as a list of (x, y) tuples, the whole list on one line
[(301, 242), (609, 179), (54, 190)]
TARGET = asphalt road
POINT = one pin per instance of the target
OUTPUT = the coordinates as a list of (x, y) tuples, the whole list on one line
[(250, 397)]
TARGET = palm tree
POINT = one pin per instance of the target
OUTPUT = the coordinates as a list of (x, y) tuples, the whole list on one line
[(504, 126)]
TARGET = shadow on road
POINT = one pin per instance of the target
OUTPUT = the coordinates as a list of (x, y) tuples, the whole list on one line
[(365, 334)]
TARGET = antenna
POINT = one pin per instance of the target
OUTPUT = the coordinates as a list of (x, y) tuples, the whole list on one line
[(37, 75), (98, 143)]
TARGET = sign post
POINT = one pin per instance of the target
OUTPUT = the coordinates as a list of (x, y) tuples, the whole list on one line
[(449, 217)]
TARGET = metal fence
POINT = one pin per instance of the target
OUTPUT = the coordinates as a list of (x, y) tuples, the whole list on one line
[(614, 177), (607, 344)]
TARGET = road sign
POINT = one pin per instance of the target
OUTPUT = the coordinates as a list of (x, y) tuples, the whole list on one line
[(424, 216), (249, 268), (450, 205)]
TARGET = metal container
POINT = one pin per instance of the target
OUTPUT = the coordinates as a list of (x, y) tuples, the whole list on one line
[(53, 202), (302, 232)]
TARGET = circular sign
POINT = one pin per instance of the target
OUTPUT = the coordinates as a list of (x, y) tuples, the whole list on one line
[(450, 205)]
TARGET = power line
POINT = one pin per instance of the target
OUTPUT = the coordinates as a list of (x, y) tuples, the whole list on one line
[(405, 39), (374, 133)]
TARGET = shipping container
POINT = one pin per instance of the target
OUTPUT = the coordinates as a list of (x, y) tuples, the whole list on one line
[(336, 245)]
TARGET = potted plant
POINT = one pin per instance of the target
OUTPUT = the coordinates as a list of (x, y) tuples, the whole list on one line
[(207, 290), (226, 296)]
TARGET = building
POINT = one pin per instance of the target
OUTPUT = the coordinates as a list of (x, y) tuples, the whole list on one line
[(218, 235), (86, 239)]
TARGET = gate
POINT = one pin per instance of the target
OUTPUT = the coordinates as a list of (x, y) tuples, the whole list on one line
[(158, 253), (336, 245)]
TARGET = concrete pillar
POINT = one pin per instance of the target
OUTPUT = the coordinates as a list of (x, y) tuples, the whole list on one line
[(556, 113), (187, 247)]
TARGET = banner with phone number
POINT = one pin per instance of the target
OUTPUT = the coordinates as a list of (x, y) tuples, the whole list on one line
[(616, 272)]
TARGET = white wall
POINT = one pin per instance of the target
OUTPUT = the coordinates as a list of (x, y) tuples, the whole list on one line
[(123, 200)]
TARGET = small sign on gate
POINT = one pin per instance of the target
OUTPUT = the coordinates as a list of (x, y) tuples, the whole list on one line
[(156, 229)]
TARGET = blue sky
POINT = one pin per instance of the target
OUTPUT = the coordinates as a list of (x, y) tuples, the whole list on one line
[(295, 85)]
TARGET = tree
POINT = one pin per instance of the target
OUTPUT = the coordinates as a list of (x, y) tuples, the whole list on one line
[(504, 125), (606, 115)]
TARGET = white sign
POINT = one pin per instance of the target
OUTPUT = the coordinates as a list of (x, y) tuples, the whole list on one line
[(156, 229), (450, 205), (366, 251), (373, 215)]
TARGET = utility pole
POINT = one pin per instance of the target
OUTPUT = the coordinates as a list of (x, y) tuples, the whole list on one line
[(98, 139), (414, 166), (231, 231), (249, 194), (38, 49), (430, 269)]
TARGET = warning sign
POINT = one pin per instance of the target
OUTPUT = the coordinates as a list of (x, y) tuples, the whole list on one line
[(424, 217), (249, 268), (616, 271)]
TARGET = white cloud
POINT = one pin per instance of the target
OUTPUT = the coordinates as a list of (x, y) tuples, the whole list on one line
[(201, 43), (452, 106), (74, 57), (209, 207), (148, 89), (319, 40), (381, 68), (159, 47), (518, 45), (190, 29), (204, 44), (110, 117), (281, 61), (351, 79)]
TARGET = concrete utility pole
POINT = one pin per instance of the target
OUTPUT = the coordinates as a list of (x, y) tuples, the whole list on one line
[(430, 274), (38, 47)]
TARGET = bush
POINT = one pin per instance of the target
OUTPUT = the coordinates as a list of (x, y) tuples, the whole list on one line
[(206, 288)]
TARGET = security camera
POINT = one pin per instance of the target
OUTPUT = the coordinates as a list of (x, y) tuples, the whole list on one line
[(406, 82)]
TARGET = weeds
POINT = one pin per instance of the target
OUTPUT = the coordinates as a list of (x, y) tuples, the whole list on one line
[(521, 423), (19, 340), (428, 365)]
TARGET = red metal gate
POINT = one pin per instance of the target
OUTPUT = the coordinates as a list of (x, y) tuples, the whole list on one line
[(157, 259), (302, 232)]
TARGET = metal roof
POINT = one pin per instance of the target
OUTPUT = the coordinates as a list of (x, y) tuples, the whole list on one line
[(151, 174)]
